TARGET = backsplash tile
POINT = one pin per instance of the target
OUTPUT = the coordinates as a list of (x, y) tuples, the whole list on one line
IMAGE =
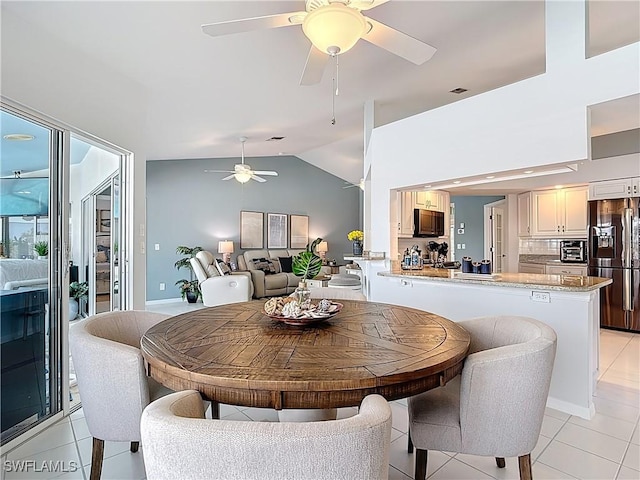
[(540, 246)]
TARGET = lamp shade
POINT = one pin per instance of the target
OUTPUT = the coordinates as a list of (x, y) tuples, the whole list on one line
[(322, 247), (225, 246), (334, 25)]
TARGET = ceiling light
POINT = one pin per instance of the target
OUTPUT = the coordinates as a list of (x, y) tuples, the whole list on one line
[(558, 187), (334, 28), (528, 171), (458, 90), (456, 181), (490, 176), (18, 137), (427, 186), (242, 177)]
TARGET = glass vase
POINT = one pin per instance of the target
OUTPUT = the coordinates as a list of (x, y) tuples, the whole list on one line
[(357, 248), (302, 294)]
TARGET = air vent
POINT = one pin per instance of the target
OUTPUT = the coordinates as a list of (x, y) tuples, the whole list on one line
[(274, 139), (458, 90)]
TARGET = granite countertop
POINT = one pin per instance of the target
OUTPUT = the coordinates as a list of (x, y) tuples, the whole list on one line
[(567, 283)]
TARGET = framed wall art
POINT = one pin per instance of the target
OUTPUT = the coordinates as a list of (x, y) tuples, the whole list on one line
[(251, 229), (104, 221), (299, 229), (277, 230)]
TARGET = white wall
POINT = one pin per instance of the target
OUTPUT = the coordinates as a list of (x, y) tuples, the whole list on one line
[(54, 78), (538, 121)]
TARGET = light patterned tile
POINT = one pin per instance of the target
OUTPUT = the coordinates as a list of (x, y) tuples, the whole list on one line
[(399, 417), (54, 436), (635, 439), (541, 471), (627, 473), (126, 465), (111, 449), (577, 463), (593, 442), (543, 442), (552, 412), (395, 474), (48, 464), (488, 465), (457, 470), (400, 459), (614, 427), (632, 458), (80, 429), (614, 409), (551, 426)]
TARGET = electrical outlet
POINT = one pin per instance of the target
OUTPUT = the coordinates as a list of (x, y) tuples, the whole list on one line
[(459, 246), (461, 231), (544, 297), (162, 286), (157, 246), (464, 245)]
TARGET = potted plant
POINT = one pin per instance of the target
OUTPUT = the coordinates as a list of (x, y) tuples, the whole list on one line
[(77, 290), (189, 289), (41, 248), (356, 236), (191, 286), (306, 265)]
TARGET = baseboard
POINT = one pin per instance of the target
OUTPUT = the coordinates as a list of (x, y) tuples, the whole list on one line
[(164, 300)]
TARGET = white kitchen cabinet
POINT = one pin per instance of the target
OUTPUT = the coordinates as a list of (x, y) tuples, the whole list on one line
[(559, 213), (429, 200), (566, 269), (531, 268), (524, 214), (405, 214), (620, 188)]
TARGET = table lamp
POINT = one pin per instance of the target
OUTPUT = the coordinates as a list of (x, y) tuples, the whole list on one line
[(322, 250), (225, 247)]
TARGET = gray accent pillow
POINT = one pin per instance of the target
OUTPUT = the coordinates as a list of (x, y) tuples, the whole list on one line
[(222, 267), (265, 265)]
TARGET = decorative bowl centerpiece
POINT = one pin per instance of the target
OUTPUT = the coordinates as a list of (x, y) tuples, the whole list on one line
[(288, 310)]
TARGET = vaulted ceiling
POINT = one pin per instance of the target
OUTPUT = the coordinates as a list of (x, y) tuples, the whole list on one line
[(205, 92)]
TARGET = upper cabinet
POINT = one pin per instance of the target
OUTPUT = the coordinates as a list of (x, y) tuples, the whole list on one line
[(624, 187), (554, 213), (429, 200), (405, 214), (524, 214)]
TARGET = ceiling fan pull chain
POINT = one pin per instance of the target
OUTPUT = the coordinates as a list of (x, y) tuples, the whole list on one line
[(337, 80), (334, 93)]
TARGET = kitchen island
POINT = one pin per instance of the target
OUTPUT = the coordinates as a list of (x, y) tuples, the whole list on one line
[(570, 304)]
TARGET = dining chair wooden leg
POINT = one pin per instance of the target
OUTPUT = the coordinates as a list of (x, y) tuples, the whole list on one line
[(409, 442), (421, 464), (134, 447), (524, 462), (500, 462), (97, 453)]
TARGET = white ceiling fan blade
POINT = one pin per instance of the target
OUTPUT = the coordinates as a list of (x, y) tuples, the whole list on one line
[(258, 179), (363, 5), (314, 68), (219, 171), (250, 24), (268, 173), (398, 43), (229, 177)]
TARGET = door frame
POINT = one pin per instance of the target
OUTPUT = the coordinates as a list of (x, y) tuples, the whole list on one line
[(488, 233)]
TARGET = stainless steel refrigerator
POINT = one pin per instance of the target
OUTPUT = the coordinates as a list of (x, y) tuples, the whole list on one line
[(614, 252)]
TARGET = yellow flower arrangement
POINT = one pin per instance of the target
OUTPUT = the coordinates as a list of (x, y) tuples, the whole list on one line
[(355, 235)]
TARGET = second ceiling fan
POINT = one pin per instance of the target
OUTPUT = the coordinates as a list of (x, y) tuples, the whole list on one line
[(243, 172), (334, 27)]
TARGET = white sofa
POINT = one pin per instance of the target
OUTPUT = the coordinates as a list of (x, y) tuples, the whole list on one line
[(220, 289)]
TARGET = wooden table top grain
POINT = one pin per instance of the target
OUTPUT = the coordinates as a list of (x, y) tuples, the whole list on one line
[(235, 354)]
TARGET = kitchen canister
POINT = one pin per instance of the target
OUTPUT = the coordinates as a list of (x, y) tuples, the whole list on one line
[(466, 265), (475, 267), (485, 266)]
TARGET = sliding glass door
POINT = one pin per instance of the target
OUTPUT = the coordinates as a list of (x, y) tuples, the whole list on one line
[(31, 272)]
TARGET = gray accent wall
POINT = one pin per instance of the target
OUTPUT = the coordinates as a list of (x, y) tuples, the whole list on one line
[(470, 211), (186, 206)]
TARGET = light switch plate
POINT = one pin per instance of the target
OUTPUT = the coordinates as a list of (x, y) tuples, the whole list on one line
[(544, 297)]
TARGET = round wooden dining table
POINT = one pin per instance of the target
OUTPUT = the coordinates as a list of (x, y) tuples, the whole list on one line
[(235, 354)]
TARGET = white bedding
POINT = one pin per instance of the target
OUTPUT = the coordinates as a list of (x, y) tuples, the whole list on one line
[(15, 269)]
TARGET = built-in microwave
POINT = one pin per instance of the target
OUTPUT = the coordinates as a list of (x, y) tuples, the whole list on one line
[(427, 223)]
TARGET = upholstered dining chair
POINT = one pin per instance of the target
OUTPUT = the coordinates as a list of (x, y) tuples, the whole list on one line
[(113, 385), (332, 293), (496, 405), (178, 442)]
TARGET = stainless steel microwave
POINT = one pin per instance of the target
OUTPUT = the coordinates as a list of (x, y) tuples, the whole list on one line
[(427, 223)]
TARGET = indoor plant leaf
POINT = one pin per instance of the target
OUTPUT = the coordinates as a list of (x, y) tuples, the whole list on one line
[(307, 264)]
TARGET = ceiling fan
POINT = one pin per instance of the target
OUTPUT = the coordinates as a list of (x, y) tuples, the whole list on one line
[(243, 172), (334, 27), (360, 185)]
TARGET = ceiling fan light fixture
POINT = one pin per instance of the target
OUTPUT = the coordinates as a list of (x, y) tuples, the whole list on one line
[(243, 177), (334, 26)]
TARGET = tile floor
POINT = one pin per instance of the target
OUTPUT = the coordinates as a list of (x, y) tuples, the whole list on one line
[(606, 447)]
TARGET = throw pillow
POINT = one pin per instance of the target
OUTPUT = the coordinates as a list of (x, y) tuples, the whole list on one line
[(265, 265), (222, 267), (286, 263)]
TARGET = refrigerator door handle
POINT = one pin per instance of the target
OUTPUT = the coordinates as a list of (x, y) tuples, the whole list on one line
[(627, 237), (626, 290)]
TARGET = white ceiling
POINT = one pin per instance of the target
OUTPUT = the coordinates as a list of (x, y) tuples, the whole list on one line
[(205, 92)]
